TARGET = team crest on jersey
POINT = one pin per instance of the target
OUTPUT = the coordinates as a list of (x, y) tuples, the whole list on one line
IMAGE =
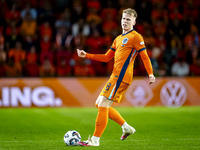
[(141, 43), (125, 41)]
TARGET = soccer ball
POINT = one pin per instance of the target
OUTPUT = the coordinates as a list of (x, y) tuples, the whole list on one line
[(71, 138)]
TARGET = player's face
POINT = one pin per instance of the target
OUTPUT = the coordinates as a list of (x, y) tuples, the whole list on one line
[(127, 22)]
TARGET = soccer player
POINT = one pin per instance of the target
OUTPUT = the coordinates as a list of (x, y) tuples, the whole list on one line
[(124, 49)]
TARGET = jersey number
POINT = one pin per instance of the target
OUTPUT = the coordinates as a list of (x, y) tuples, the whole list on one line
[(108, 86)]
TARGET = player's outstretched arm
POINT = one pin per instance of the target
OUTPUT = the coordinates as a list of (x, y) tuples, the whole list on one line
[(98, 57), (81, 53)]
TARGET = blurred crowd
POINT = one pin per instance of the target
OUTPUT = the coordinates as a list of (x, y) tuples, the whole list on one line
[(39, 38)]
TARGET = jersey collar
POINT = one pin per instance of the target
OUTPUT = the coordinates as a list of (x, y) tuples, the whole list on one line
[(127, 32)]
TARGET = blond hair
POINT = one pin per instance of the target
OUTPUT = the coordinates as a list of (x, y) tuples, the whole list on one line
[(131, 12)]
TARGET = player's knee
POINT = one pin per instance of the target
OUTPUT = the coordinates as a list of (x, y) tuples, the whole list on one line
[(104, 102)]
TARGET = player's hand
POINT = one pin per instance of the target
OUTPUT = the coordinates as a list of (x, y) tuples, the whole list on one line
[(151, 78), (81, 53)]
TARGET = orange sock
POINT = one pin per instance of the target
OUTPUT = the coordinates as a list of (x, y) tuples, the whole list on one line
[(101, 121), (115, 116)]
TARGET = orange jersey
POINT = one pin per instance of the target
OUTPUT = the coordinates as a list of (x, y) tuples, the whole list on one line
[(124, 49)]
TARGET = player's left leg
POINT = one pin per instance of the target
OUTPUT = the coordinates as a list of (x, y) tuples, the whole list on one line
[(101, 122), (114, 115)]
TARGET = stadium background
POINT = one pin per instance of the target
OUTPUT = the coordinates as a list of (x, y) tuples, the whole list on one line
[(39, 38), (39, 68)]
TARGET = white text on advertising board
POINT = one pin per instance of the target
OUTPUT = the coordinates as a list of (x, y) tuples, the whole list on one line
[(42, 96)]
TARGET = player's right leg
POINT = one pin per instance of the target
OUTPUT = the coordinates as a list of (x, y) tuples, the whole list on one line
[(101, 122)]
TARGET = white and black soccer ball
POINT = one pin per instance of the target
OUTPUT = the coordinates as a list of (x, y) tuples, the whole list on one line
[(71, 138)]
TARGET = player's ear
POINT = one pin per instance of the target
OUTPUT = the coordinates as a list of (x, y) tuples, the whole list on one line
[(134, 22)]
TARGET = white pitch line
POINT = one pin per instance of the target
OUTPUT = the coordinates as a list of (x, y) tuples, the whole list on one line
[(187, 139), (31, 141), (108, 140)]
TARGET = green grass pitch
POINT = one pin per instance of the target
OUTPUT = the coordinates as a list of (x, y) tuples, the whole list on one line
[(157, 128)]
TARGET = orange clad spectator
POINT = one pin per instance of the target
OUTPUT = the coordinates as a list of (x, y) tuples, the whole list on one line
[(95, 42), (17, 53), (29, 26), (13, 15), (95, 45), (64, 54), (139, 27), (94, 4), (19, 56), (109, 24), (63, 68), (45, 45), (159, 13), (109, 10), (46, 35), (47, 69), (159, 27), (10, 69), (189, 39), (176, 14), (93, 15), (45, 29), (79, 40), (31, 68), (11, 27), (32, 55), (149, 40), (155, 14), (84, 68), (46, 55), (173, 4)]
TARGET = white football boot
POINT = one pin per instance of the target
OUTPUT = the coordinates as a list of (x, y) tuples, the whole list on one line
[(128, 130), (94, 141)]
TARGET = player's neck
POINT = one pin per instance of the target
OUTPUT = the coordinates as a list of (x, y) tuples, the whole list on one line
[(126, 31)]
